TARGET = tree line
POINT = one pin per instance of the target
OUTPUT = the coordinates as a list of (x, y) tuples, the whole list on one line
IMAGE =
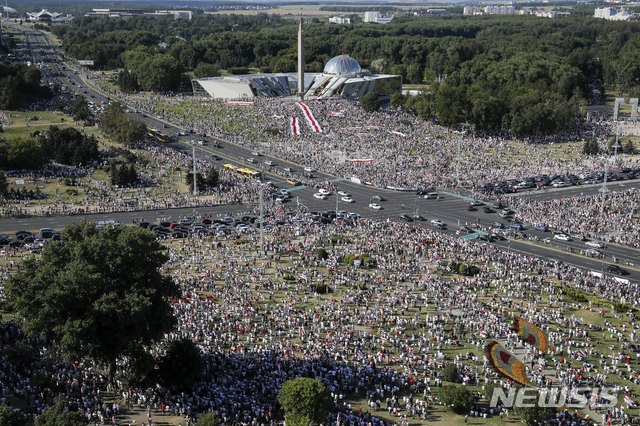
[(20, 85), (65, 146), (522, 74)]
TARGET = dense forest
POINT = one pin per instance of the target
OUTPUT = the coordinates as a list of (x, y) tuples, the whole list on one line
[(518, 73), (19, 85)]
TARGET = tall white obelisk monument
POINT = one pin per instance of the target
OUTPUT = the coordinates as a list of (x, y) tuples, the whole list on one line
[(300, 62)]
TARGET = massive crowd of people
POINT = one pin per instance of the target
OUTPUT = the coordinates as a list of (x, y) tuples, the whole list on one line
[(610, 217), (382, 335)]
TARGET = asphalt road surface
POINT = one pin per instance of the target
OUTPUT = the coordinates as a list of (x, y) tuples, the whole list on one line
[(451, 208)]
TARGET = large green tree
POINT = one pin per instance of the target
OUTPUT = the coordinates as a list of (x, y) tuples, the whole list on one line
[(80, 110), (8, 417), (182, 366), (59, 416), (120, 127), (305, 401), (99, 295), (457, 398)]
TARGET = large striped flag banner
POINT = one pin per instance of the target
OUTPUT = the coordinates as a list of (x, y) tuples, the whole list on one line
[(313, 123), (293, 125), (245, 103), (505, 363)]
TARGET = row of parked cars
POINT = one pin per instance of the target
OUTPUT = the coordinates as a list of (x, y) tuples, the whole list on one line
[(559, 181), (30, 240)]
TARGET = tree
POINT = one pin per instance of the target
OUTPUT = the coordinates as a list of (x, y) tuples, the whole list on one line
[(206, 70), (8, 417), (99, 295), (370, 102), (535, 415), (182, 366), (58, 415), (208, 419), (213, 178), (457, 398), (4, 184), (200, 181), (629, 147), (590, 147), (305, 401), (127, 82), (450, 373), (80, 109)]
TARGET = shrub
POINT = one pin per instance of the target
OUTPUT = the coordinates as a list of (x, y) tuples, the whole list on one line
[(457, 398), (348, 259), (322, 253), (450, 373)]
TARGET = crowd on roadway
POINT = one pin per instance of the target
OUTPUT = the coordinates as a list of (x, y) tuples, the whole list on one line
[(382, 335), (610, 217)]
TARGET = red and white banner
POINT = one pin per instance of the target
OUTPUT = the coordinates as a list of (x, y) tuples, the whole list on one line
[(361, 160), (313, 123), (239, 103), (630, 403), (293, 125)]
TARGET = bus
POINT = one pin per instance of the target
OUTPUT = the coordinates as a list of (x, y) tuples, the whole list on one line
[(249, 172), (158, 135), (230, 167)]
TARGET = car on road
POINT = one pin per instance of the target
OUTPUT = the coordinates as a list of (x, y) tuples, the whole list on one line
[(562, 237), (378, 198), (437, 222), (252, 160), (269, 163), (309, 169), (375, 206), (464, 229), (419, 218), (498, 225), (560, 184), (319, 196), (432, 196), (594, 244), (344, 193), (593, 253), (488, 209), (347, 200), (293, 182), (476, 203), (324, 191), (181, 133), (472, 208), (288, 169), (615, 269), (406, 217), (517, 226), (541, 228), (255, 153)]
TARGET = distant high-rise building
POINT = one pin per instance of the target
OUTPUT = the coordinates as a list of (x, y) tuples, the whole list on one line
[(612, 14), (499, 10)]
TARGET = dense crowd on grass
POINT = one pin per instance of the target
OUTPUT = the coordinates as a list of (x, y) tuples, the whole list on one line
[(382, 334)]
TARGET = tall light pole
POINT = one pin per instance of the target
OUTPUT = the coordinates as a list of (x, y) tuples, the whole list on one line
[(195, 180), (261, 218)]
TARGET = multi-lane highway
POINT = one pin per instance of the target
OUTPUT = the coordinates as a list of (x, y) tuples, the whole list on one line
[(450, 208)]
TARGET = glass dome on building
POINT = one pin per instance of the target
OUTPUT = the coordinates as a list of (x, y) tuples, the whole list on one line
[(343, 65)]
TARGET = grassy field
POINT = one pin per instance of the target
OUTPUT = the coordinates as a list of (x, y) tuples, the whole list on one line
[(307, 11), (24, 123)]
